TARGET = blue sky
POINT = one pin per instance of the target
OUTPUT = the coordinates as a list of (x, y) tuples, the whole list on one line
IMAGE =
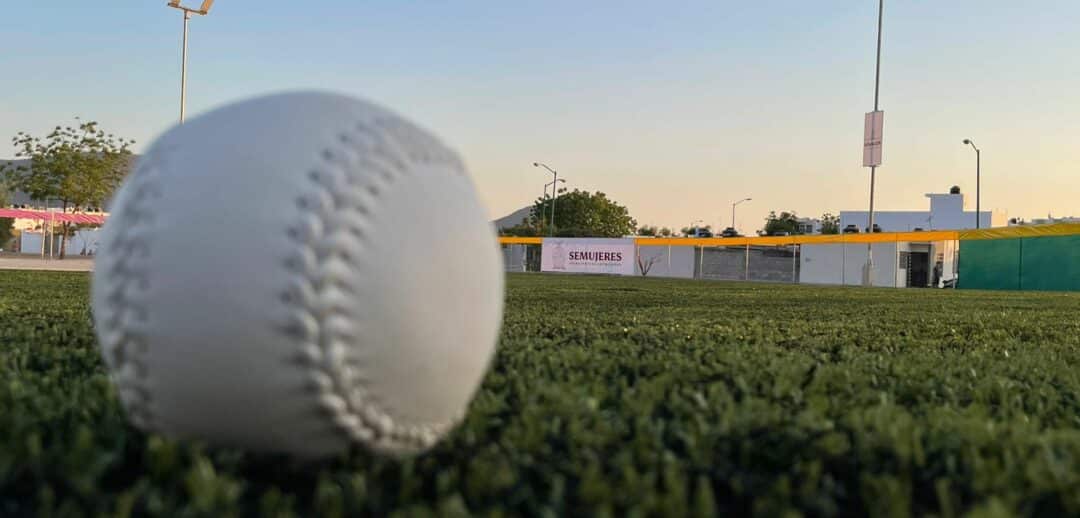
[(673, 110)]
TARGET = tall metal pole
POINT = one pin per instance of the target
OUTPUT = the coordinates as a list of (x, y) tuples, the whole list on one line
[(554, 197), (203, 10), (733, 205), (978, 189), (544, 200), (873, 169), (183, 68), (978, 182), (554, 193)]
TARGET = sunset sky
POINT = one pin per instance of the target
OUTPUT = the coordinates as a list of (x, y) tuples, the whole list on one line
[(674, 109)]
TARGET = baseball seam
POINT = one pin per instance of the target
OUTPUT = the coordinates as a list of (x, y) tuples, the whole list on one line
[(124, 319), (330, 239)]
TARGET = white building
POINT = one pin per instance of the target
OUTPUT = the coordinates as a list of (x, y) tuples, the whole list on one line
[(946, 213), (808, 225)]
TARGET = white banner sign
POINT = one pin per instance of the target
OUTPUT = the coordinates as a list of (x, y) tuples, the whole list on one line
[(873, 125), (588, 255)]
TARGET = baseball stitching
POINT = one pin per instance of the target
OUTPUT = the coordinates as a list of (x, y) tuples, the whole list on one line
[(331, 237), (124, 337)]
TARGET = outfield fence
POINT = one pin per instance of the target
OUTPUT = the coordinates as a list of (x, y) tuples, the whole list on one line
[(900, 259)]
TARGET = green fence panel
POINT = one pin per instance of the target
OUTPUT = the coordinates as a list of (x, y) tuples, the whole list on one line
[(1051, 263), (990, 264)]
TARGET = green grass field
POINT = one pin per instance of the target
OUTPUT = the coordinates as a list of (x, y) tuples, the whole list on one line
[(614, 396)]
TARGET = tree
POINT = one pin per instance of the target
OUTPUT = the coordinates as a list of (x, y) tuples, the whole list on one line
[(79, 166), (830, 224), (690, 231), (584, 214), (649, 231), (645, 264), (666, 232), (7, 225), (523, 229), (785, 222)]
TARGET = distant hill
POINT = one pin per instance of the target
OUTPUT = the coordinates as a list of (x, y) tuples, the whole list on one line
[(514, 218)]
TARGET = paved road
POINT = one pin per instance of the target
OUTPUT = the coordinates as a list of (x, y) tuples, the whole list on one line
[(33, 262)]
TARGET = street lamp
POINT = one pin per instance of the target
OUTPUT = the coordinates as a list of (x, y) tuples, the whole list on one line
[(554, 191), (693, 225), (555, 178), (202, 11), (733, 205), (978, 194)]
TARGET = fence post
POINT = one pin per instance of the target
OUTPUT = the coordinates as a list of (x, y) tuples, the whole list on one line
[(794, 259), (896, 262), (843, 260), (746, 268), (701, 262)]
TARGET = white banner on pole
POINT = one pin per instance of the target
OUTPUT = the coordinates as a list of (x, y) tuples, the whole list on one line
[(588, 255), (873, 125)]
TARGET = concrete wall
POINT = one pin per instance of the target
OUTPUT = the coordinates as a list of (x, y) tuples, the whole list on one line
[(513, 258), (86, 239)]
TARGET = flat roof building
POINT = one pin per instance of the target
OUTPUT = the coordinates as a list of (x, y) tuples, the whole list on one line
[(946, 213)]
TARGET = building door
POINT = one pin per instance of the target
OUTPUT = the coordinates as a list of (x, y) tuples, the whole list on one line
[(918, 269)]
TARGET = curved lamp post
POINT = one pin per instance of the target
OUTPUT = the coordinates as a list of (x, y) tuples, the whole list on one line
[(554, 179), (733, 205), (978, 194)]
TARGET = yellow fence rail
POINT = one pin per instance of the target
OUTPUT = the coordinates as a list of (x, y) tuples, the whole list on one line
[(880, 237), (1059, 229)]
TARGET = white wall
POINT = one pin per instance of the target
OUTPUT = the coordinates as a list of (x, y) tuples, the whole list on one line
[(949, 253), (513, 258), (843, 264), (946, 213), (906, 221), (679, 263)]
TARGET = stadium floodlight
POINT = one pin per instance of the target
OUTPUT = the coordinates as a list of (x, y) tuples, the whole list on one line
[(203, 10), (551, 231), (978, 193)]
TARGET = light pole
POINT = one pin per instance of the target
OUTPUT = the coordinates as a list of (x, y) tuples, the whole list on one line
[(978, 159), (733, 205), (868, 278), (554, 190), (202, 10), (555, 178), (693, 225)]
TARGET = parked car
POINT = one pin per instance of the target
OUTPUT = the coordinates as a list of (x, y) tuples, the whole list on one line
[(780, 233), (851, 229), (700, 232), (729, 232)]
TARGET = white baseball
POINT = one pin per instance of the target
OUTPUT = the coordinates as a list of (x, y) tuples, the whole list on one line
[(297, 273)]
